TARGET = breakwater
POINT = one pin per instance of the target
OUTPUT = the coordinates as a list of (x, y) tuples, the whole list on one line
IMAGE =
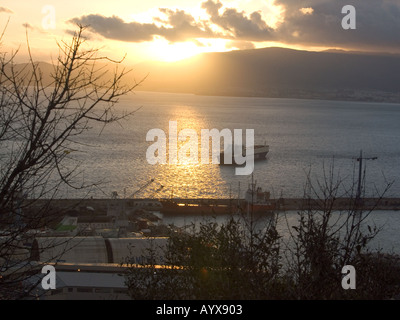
[(212, 206)]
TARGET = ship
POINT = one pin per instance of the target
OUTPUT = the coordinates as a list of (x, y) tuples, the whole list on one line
[(258, 200), (259, 151)]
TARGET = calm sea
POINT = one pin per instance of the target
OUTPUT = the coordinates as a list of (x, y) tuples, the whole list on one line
[(303, 135)]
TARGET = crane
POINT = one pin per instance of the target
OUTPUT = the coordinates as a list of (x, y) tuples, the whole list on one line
[(157, 190), (360, 159), (142, 188)]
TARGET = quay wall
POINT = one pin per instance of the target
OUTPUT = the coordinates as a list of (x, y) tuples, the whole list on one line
[(100, 206)]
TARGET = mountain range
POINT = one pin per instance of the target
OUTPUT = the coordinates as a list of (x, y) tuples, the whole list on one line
[(280, 72), (273, 72)]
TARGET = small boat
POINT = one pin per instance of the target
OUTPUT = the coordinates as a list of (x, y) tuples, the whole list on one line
[(259, 151)]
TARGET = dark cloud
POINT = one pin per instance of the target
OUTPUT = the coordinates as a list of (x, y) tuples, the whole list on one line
[(117, 29), (212, 7), (377, 23), (237, 23)]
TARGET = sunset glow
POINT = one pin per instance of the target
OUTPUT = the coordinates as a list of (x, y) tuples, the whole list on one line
[(181, 29), (161, 50)]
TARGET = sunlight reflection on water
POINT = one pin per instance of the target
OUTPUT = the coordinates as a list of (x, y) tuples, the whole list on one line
[(302, 134)]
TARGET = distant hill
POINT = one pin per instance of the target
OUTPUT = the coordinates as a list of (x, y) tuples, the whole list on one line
[(279, 72), (273, 72)]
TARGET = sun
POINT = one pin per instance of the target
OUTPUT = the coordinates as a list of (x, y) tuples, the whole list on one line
[(163, 50), (178, 51)]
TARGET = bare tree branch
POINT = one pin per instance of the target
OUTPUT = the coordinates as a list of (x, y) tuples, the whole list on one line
[(41, 117)]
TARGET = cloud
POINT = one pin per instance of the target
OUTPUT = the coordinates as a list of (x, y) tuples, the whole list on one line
[(85, 36), (182, 26), (117, 29), (212, 7), (179, 26), (377, 23), (306, 22), (238, 23), (32, 28), (308, 10), (5, 10), (241, 45)]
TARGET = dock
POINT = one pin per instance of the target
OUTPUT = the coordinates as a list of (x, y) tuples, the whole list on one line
[(202, 206)]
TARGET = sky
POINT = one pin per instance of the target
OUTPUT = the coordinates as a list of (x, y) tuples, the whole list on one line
[(176, 29)]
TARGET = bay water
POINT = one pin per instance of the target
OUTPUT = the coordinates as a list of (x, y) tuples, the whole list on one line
[(304, 136)]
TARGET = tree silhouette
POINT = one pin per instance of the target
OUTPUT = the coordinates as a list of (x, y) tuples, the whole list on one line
[(41, 118)]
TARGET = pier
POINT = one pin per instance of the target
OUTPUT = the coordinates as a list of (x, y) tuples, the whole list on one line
[(181, 206)]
